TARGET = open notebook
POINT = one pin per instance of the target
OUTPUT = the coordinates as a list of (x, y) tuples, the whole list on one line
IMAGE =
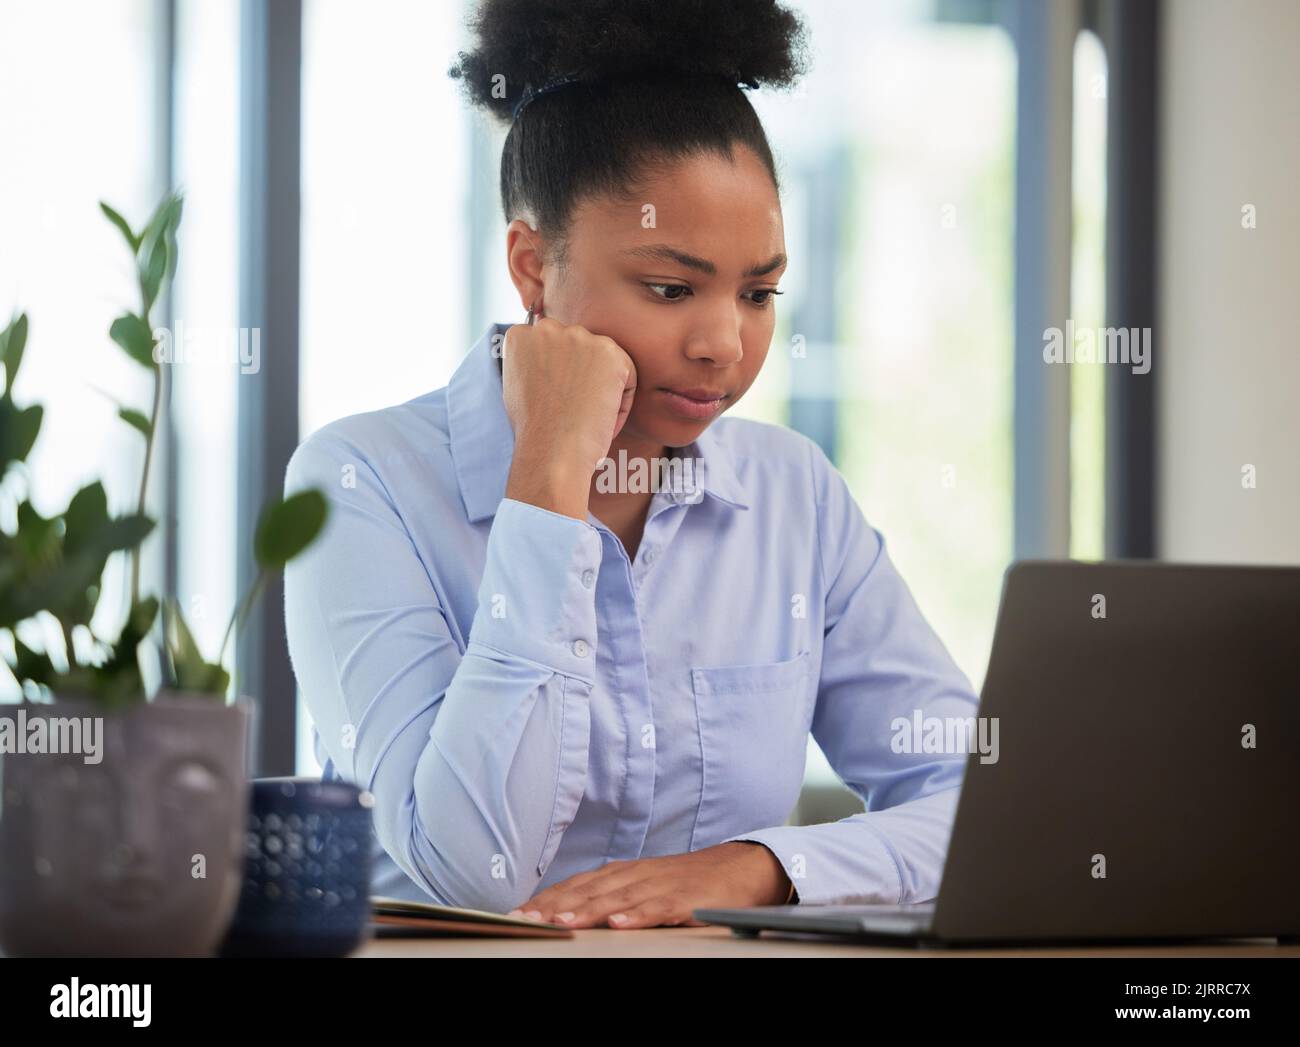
[(395, 918)]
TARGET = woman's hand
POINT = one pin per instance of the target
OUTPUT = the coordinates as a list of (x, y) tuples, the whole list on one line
[(567, 394), (655, 892)]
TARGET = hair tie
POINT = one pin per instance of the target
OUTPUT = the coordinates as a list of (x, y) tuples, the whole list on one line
[(555, 83)]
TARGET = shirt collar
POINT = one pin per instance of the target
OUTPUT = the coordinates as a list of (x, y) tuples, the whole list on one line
[(483, 444)]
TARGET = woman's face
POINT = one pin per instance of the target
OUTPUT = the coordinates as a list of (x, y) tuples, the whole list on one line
[(682, 280)]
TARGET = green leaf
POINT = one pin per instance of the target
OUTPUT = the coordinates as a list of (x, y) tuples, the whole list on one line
[(288, 527), (133, 335), (122, 226), (126, 532), (151, 273), (158, 249), (164, 220), (9, 568), (143, 613), (136, 419), (212, 679), (173, 251), (13, 339), (70, 592), (180, 637), (39, 540), (118, 682), (86, 517), (66, 581), (19, 428), (191, 671)]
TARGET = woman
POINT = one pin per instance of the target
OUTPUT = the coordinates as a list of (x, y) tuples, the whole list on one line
[(577, 696)]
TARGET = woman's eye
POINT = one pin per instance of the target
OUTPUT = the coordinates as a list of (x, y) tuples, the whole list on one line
[(766, 301), (669, 293), (669, 287)]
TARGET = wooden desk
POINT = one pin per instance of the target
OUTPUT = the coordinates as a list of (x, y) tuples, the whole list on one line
[(719, 941)]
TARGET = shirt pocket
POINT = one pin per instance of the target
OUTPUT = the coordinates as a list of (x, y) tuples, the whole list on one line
[(753, 744)]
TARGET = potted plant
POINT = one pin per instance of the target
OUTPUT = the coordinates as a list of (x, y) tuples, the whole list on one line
[(122, 815)]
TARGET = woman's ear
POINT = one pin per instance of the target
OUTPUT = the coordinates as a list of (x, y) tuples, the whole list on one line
[(524, 257)]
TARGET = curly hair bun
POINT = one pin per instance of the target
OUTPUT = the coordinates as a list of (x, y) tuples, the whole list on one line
[(755, 42)]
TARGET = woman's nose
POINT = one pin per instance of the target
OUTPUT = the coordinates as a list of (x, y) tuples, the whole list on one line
[(719, 342)]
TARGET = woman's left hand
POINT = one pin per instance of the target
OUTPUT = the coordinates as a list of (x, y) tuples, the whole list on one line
[(657, 892)]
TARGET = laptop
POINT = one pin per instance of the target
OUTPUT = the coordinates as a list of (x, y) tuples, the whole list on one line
[(1147, 785)]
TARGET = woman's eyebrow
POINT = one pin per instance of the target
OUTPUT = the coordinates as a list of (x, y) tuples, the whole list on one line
[(665, 253)]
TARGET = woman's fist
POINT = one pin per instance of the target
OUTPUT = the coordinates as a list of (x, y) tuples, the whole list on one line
[(567, 394)]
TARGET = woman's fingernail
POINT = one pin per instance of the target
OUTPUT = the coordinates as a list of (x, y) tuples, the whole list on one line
[(564, 917), (533, 914), (618, 917), (515, 912)]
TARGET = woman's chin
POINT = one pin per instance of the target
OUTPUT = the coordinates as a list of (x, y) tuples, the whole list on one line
[(676, 432)]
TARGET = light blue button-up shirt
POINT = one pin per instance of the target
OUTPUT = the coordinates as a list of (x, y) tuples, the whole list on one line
[(525, 703)]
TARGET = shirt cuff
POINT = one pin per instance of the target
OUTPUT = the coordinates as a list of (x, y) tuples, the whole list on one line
[(537, 597), (833, 864)]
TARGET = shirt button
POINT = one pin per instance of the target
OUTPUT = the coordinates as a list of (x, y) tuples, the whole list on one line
[(649, 556), (580, 648), (589, 578)]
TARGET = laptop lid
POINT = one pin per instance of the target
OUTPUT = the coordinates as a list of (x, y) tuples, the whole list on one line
[(1146, 780)]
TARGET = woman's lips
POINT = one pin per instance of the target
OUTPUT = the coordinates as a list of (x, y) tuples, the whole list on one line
[(695, 404)]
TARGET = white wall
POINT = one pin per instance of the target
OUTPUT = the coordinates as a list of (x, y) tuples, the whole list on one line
[(1230, 374)]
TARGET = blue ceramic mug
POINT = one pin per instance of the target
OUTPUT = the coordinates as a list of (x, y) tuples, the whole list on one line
[(306, 885)]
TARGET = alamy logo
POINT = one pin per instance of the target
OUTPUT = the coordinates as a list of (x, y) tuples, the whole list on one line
[(240, 347), (1098, 345), (101, 1001), (946, 734), (677, 476), (53, 734)]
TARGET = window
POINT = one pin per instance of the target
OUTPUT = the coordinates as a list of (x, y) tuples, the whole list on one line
[(385, 164), (205, 296), (65, 149), (1088, 300)]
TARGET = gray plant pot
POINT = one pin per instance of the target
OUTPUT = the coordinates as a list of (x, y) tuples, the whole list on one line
[(137, 854)]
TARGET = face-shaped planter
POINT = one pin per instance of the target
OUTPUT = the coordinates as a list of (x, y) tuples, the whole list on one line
[(136, 850)]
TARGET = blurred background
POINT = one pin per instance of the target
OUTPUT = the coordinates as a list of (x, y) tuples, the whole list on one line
[(959, 176)]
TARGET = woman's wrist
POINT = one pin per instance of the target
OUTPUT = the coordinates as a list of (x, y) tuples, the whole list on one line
[(778, 888), (549, 482)]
